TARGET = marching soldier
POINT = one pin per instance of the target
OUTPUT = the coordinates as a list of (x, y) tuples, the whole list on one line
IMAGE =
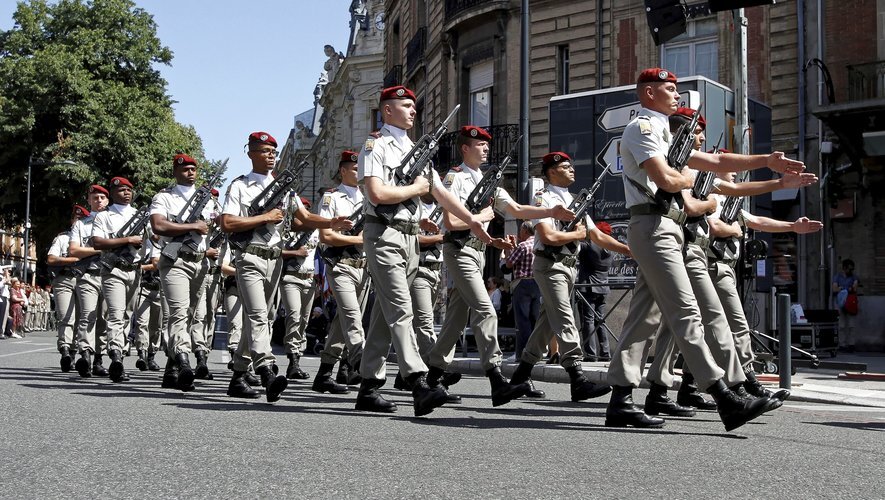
[(348, 279), (555, 271), (391, 244), (656, 238), (464, 256), (91, 325), (183, 271), (259, 266), (63, 283), (149, 310), (119, 278), (297, 289)]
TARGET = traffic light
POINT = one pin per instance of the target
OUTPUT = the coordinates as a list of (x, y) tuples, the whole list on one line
[(718, 5), (666, 19)]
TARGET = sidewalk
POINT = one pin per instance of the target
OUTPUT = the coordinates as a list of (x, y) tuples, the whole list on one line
[(808, 384)]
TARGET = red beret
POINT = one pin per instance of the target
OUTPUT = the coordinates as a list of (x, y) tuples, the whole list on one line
[(80, 211), (118, 181), (262, 138), (605, 227), (553, 158), (183, 159), (348, 156), (398, 92), (214, 192), (689, 113), (476, 133), (95, 188), (655, 75)]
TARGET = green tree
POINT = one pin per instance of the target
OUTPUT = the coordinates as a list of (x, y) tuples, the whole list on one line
[(78, 81)]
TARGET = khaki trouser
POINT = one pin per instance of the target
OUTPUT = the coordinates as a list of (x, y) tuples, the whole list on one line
[(557, 283), (91, 307), (662, 281), (393, 263), (717, 333), (65, 309), (182, 284), (297, 298), (350, 286), (201, 328), (119, 288), (425, 289), (257, 280), (233, 310), (468, 297), (148, 320), (726, 288)]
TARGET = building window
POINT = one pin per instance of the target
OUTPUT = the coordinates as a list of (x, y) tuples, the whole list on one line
[(562, 69), (695, 52), (482, 79)]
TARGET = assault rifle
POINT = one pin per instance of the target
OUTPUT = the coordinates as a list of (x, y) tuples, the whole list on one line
[(334, 254), (683, 142), (133, 227), (271, 197), (722, 248), (484, 190), (703, 182), (580, 205), (192, 210), (413, 165)]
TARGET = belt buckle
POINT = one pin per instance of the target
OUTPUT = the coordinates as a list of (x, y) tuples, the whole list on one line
[(569, 261)]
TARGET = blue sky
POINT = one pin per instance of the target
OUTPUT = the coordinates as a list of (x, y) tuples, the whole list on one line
[(239, 65)]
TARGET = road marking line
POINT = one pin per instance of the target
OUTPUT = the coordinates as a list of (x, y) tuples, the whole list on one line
[(25, 352), (829, 407)]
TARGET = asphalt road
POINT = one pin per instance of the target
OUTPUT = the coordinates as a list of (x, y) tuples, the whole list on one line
[(67, 437)]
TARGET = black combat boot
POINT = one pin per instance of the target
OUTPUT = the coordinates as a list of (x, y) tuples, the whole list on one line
[(400, 384), (343, 368), (141, 363), (369, 399), (273, 384), (83, 365), (324, 383), (97, 368), (503, 391), (185, 373), (426, 398), (116, 372), (583, 389), (742, 393), (689, 395), (239, 388), (657, 402), (353, 374), (756, 389), (230, 364), (450, 378), (251, 379), (66, 359), (734, 410), (170, 374), (435, 379), (622, 412), (294, 371), (202, 371), (152, 363), (523, 374)]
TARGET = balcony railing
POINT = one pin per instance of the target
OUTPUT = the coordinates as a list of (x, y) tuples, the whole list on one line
[(866, 81), (503, 138), (394, 76), (455, 7), (415, 50)]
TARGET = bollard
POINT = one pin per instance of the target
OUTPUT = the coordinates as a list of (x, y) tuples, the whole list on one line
[(784, 335)]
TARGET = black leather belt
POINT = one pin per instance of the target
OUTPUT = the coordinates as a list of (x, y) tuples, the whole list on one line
[(124, 266), (410, 228), (356, 263), (191, 256), (564, 259), (678, 216), (263, 251), (433, 266), (304, 275)]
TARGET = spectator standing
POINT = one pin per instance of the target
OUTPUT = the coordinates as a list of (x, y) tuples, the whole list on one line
[(526, 300), (593, 265), (18, 299), (845, 285)]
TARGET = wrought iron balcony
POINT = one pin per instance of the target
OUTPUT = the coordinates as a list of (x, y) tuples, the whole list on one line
[(866, 81), (394, 76), (503, 138), (415, 50), (454, 8)]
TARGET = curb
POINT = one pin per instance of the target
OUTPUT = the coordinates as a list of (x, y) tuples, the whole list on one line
[(597, 375)]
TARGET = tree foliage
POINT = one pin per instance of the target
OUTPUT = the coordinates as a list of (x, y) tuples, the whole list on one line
[(79, 81)]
